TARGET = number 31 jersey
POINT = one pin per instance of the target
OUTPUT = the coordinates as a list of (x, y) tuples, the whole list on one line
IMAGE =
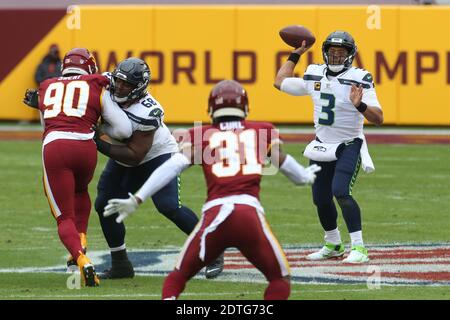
[(71, 104), (232, 155)]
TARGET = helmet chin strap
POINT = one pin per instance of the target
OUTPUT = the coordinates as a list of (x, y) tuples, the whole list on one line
[(336, 67), (119, 99)]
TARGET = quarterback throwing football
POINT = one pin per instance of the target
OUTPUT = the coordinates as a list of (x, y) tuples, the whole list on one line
[(342, 96)]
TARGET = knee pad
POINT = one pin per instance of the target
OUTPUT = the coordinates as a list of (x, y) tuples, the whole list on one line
[(341, 193), (320, 200), (100, 203), (345, 201)]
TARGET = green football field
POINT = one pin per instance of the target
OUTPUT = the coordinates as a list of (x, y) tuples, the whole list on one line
[(405, 205)]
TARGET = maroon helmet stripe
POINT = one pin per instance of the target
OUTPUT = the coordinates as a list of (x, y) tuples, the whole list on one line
[(21, 30)]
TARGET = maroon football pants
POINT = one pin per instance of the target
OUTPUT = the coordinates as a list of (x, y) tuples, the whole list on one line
[(245, 229), (68, 168)]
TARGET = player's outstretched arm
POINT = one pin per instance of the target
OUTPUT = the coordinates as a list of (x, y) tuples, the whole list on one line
[(165, 173), (287, 69), (371, 113), (293, 170)]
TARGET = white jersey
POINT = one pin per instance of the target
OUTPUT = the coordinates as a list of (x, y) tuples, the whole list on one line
[(147, 114), (335, 117)]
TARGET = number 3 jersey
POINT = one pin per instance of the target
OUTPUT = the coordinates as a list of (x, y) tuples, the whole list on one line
[(147, 114), (232, 155), (335, 117)]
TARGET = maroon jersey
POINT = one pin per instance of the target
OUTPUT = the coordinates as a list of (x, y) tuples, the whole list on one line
[(71, 104), (233, 155)]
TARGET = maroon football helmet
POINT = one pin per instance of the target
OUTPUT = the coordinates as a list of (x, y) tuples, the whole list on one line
[(228, 98), (79, 61)]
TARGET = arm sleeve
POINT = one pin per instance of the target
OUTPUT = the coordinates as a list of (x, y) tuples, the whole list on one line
[(293, 170), (119, 124), (294, 86), (165, 173), (370, 98), (369, 95)]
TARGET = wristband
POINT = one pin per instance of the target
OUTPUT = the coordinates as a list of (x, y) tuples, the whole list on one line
[(362, 107), (294, 57)]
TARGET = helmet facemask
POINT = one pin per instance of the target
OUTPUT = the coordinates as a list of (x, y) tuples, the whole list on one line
[(123, 90), (333, 51)]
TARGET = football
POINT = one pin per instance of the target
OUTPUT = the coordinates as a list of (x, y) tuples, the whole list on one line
[(294, 36)]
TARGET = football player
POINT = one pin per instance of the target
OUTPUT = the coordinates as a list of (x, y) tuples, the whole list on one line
[(132, 162), (342, 96), (232, 152), (70, 106)]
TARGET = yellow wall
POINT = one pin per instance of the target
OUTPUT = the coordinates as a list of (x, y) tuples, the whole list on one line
[(214, 34)]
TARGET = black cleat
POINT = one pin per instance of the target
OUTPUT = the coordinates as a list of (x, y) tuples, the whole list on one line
[(89, 276), (121, 269), (215, 268), (71, 264)]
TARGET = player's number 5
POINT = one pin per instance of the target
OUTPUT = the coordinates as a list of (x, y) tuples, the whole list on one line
[(327, 110), (59, 97)]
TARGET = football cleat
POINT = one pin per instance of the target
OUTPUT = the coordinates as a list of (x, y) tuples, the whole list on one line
[(120, 269), (328, 251), (214, 269), (89, 276), (87, 271), (71, 262), (357, 255)]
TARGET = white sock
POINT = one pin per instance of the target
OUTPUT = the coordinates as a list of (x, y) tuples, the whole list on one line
[(333, 236), (122, 247), (357, 239)]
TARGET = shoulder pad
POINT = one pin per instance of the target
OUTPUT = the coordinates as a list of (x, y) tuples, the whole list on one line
[(360, 75), (368, 77), (313, 72), (156, 112)]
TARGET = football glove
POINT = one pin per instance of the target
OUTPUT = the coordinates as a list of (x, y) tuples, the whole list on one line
[(310, 173), (124, 207), (31, 98)]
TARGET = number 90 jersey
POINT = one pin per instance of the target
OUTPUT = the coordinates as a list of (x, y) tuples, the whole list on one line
[(71, 104), (232, 155)]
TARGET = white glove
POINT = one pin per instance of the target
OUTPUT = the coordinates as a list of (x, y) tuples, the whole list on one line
[(297, 173), (124, 207), (310, 173)]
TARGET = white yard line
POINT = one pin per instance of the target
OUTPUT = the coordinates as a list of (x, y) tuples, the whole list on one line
[(185, 294)]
